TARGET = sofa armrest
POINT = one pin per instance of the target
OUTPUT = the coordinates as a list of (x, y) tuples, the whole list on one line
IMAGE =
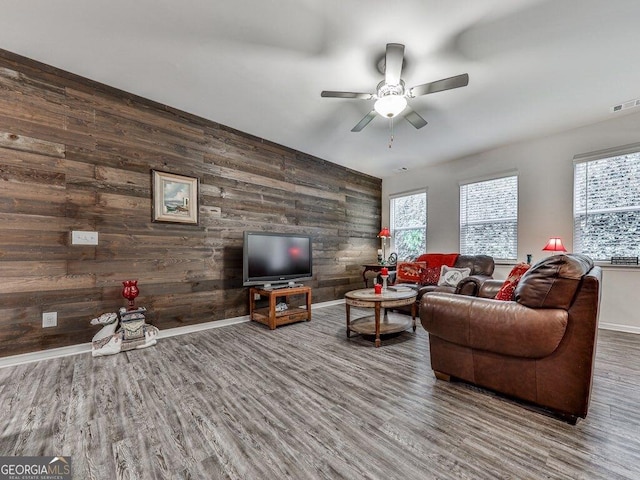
[(506, 328), (490, 288), (471, 285)]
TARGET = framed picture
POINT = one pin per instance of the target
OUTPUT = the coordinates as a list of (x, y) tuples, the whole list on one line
[(175, 198)]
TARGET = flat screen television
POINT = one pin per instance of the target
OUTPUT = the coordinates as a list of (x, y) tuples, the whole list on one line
[(276, 258)]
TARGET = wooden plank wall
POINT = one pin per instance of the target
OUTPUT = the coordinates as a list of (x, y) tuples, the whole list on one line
[(77, 155)]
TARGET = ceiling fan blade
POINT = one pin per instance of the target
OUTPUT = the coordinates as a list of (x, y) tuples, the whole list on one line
[(365, 121), (440, 85), (414, 119), (393, 63), (332, 94)]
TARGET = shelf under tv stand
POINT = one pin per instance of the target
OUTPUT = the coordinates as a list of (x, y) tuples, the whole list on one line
[(269, 316)]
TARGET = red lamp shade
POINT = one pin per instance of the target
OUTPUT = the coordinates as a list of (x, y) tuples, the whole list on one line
[(384, 233), (554, 245)]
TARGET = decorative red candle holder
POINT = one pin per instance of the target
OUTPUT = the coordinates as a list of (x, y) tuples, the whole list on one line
[(130, 292)]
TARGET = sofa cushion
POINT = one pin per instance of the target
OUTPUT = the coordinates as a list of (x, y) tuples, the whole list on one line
[(553, 281), (451, 276), (505, 328), (479, 264), (509, 286), (410, 271)]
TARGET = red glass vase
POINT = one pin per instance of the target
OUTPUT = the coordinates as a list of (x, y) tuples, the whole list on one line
[(130, 292)]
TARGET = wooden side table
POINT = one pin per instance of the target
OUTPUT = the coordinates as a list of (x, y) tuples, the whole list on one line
[(371, 325), (269, 316)]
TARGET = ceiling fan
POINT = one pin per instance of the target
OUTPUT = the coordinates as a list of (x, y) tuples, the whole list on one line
[(391, 95)]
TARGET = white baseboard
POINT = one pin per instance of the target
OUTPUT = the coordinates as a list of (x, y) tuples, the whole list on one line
[(198, 327), (619, 328), (329, 303), (171, 332), (44, 355)]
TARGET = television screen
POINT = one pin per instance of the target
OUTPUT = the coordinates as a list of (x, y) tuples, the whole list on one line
[(270, 258)]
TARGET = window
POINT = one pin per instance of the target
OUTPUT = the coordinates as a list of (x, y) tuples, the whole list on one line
[(409, 224), (606, 204), (489, 218)]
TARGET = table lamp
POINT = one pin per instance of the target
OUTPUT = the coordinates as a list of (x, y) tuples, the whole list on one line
[(384, 234), (554, 245)]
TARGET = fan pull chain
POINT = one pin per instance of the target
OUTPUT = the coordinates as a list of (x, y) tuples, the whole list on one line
[(391, 128)]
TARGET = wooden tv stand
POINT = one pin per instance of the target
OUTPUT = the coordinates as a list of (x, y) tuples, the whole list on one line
[(269, 316)]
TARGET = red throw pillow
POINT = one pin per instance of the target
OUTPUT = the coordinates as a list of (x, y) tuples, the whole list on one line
[(410, 271), (509, 286), (430, 276)]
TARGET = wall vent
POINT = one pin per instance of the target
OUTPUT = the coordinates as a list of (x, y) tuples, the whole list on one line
[(625, 105)]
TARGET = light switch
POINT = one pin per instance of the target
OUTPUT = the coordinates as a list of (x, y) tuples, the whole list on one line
[(84, 238), (49, 319)]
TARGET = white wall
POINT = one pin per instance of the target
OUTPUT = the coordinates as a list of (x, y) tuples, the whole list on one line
[(545, 189)]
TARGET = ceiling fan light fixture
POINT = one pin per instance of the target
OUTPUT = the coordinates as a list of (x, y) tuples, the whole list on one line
[(391, 96), (390, 105)]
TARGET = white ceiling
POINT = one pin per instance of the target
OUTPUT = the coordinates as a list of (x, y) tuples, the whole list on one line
[(535, 66)]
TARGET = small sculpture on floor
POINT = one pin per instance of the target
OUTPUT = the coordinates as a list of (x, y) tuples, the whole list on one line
[(122, 331)]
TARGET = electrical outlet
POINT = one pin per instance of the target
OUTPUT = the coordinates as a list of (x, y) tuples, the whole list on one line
[(49, 319), (84, 238)]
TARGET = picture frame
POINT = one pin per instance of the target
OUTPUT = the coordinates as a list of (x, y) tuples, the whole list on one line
[(174, 198)]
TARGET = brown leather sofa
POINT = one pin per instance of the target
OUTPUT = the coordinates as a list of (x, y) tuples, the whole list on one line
[(539, 348), (482, 267)]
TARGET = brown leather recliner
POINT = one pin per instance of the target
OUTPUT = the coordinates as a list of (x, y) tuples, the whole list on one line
[(539, 348)]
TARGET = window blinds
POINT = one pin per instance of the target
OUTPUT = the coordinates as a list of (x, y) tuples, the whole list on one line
[(489, 218), (606, 203), (409, 224)]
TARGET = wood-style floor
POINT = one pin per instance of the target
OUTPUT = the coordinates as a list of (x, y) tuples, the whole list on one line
[(304, 402)]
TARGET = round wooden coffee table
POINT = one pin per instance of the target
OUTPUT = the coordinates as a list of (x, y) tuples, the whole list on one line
[(371, 325)]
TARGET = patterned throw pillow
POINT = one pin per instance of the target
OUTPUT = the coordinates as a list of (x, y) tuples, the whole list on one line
[(450, 276), (430, 276), (410, 271), (509, 286)]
